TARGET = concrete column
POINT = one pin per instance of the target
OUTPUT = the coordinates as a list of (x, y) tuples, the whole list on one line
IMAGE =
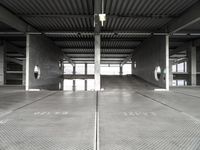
[(170, 73), (74, 81), (120, 70), (86, 75), (192, 66), (198, 65), (24, 73), (2, 65), (167, 62), (27, 61), (97, 76)]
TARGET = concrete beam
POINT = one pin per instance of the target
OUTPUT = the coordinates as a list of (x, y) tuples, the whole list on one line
[(13, 21), (14, 60), (179, 61), (67, 58), (78, 76), (191, 16), (181, 48), (12, 48), (126, 59)]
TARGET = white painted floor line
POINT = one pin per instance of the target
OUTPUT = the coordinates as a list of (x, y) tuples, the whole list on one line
[(191, 117), (161, 90), (95, 129), (4, 114)]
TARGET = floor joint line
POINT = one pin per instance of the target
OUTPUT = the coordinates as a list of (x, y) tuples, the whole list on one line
[(8, 113), (96, 142)]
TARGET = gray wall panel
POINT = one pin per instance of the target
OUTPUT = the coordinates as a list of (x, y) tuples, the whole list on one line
[(43, 52), (148, 56)]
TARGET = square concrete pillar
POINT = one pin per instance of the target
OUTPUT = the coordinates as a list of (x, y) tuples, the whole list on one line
[(170, 72), (2, 65), (85, 75), (120, 70), (192, 66), (24, 73), (74, 81), (97, 59)]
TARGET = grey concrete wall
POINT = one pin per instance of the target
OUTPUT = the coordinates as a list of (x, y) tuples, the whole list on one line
[(42, 52), (2, 61), (148, 56)]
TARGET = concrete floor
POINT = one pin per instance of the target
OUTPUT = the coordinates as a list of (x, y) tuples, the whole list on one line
[(131, 117)]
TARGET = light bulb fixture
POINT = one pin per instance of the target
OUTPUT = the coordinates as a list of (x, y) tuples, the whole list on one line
[(102, 18)]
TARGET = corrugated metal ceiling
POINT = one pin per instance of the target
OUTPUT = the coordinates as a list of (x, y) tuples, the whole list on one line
[(122, 15), (30, 7), (147, 7), (77, 15)]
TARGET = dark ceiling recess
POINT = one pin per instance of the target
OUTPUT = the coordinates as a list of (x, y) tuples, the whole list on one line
[(70, 23)]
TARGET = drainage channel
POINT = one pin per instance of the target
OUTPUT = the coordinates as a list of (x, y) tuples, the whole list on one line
[(96, 130)]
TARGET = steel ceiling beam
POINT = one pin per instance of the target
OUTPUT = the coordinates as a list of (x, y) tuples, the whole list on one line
[(86, 55), (114, 33), (88, 49), (110, 54), (91, 16), (92, 39), (191, 16), (102, 62), (102, 59), (13, 21)]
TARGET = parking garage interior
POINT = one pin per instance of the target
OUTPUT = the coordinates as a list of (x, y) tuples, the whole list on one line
[(99, 75)]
